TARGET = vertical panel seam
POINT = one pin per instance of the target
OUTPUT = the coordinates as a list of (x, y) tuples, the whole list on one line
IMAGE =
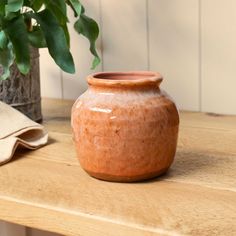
[(147, 35), (200, 53), (101, 31)]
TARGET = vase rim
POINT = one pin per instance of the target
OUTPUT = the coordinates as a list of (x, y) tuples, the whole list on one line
[(126, 78)]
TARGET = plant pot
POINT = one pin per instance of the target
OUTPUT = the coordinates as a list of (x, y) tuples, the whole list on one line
[(125, 128), (23, 91)]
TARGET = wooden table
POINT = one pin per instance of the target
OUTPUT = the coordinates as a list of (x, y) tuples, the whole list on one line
[(47, 189)]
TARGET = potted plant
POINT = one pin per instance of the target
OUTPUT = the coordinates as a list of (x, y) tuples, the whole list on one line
[(26, 26)]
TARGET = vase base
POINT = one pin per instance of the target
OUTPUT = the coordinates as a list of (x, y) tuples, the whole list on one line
[(127, 179)]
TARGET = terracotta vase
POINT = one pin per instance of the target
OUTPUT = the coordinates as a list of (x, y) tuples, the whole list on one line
[(125, 128)]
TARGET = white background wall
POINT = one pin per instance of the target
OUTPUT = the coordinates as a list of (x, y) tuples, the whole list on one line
[(191, 42)]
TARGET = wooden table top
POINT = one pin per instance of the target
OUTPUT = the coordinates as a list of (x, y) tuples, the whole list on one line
[(47, 189)]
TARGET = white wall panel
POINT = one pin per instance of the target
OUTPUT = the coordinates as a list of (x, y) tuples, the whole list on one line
[(219, 56), (50, 76), (190, 42), (174, 48), (124, 35), (75, 84)]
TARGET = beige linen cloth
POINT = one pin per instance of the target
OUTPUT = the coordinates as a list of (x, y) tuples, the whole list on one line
[(17, 129)]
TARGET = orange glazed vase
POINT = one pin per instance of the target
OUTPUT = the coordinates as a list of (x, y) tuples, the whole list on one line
[(125, 128)]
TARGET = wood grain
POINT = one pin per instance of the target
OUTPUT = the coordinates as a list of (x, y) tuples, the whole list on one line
[(47, 189)]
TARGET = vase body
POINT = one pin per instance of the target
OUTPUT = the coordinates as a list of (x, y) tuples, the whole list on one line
[(125, 128), (23, 91)]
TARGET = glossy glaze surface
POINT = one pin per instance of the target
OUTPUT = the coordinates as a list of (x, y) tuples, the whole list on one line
[(125, 128)]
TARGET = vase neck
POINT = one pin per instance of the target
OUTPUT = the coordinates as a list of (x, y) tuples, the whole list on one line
[(137, 80)]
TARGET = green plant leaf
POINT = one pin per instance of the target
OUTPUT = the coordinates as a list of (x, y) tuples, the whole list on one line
[(17, 34), (11, 15), (76, 7), (6, 60), (67, 34), (36, 38), (89, 28), (56, 40), (2, 7), (14, 5), (58, 9), (3, 40), (37, 4)]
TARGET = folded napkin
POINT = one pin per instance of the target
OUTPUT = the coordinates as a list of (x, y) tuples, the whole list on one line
[(17, 129)]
